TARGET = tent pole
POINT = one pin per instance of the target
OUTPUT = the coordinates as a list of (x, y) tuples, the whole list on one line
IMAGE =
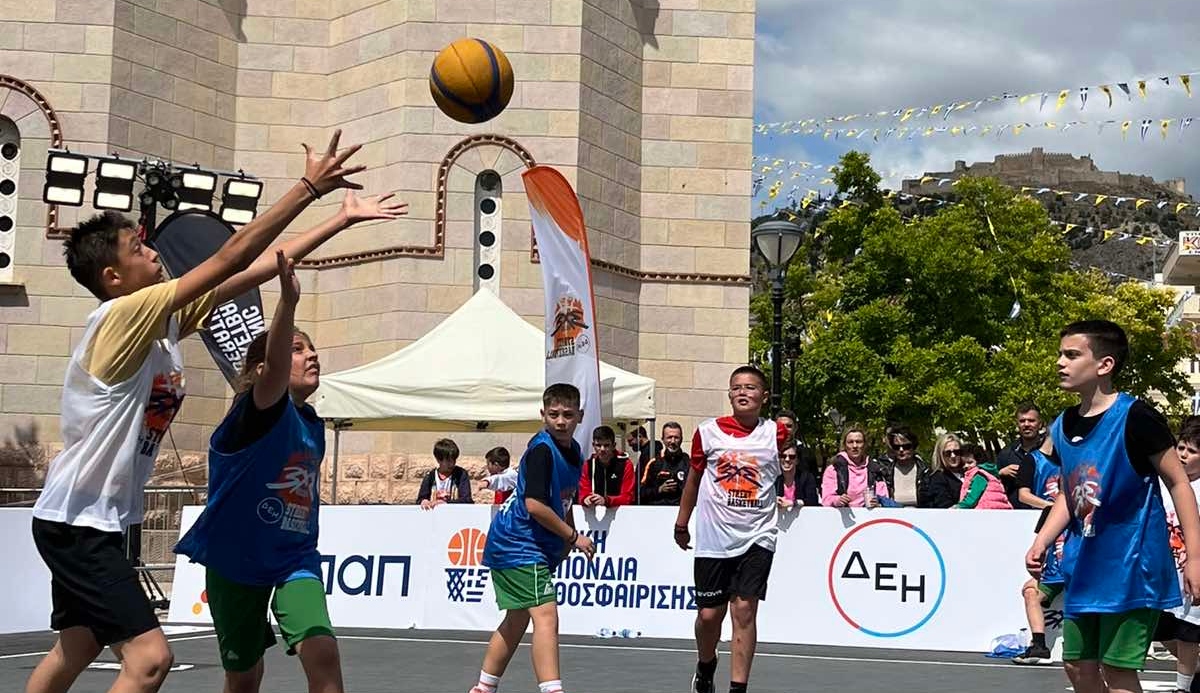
[(337, 443)]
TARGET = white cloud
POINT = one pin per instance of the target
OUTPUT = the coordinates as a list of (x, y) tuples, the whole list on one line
[(816, 59)]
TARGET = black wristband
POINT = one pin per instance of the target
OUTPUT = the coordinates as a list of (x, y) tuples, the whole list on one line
[(312, 189)]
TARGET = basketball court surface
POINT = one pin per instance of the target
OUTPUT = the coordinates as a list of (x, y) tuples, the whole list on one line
[(392, 661)]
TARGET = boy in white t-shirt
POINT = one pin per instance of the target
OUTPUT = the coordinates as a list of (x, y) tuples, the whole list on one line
[(123, 387), (1179, 628), (735, 460)]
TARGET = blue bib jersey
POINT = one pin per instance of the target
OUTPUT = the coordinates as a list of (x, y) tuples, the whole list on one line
[(260, 524), (1047, 482), (1117, 557), (515, 539)]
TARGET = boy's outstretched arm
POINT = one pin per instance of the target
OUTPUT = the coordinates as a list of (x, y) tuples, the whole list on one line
[(1171, 471), (1055, 524), (324, 169), (354, 209)]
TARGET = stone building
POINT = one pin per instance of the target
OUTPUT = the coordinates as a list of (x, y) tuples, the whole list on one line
[(1037, 168), (645, 105)]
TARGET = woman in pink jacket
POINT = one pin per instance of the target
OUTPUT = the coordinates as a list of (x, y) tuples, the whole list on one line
[(850, 475)]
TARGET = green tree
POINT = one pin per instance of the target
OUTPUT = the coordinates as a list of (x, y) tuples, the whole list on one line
[(950, 320)]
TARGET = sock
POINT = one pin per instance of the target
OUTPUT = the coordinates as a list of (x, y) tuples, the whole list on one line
[(706, 670), (1183, 682), (737, 687), (487, 682), (554, 686), (1039, 639)]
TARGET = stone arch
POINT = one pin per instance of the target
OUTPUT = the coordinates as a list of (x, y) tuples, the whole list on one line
[(20, 102)]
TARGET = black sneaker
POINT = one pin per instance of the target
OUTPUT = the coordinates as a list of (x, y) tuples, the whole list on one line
[(1034, 654), (700, 685)]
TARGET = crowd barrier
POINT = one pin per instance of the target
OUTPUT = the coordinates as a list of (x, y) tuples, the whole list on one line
[(913, 579)]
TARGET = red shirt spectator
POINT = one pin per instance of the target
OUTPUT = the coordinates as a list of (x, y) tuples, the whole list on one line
[(608, 477)]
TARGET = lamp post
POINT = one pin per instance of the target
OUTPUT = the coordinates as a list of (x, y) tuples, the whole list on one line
[(777, 241)]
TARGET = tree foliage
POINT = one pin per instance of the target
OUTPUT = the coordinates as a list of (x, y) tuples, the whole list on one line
[(951, 320)]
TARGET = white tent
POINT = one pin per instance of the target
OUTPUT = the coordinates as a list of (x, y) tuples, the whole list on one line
[(482, 368)]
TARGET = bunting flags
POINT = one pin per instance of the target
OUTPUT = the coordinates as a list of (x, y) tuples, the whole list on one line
[(907, 132), (944, 109)]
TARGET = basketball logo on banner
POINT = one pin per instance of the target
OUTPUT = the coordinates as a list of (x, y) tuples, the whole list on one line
[(887, 578), (467, 580)]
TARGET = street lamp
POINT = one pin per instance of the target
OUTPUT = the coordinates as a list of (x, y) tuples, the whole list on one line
[(777, 241)]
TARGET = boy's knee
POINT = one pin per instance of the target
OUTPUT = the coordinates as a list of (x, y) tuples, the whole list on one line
[(149, 667), (243, 681), (743, 611), (320, 651)]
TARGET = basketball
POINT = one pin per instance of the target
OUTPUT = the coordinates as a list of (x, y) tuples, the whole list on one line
[(466, 547), (471, 80)]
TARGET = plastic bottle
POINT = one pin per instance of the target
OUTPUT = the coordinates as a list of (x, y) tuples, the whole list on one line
[(1024, 637), (605, 633), (628, 633)]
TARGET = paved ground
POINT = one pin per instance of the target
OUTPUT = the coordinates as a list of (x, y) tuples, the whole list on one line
[(446, 662)]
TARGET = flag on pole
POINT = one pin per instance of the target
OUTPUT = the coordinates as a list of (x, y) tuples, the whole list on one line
[(572, 352)]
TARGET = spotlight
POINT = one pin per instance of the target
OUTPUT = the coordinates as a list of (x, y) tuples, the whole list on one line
[(239, 203), (114, 184), (195, 189), (65, 173)]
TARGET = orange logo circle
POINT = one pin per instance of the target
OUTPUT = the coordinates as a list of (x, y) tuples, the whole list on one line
[(466, 547)]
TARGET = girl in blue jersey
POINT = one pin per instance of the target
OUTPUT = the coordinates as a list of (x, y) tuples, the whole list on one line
[(258, 534), (530, 534), (1117, 561)]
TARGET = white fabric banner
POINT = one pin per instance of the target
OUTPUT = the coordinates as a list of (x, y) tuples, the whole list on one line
[(572, 352), (910, 579)]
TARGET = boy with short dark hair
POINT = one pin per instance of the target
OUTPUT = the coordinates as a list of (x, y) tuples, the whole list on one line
[(1114, 449), (608, 477), (735, 461), (529, 536), (123, 387), (446, 483), (501, 479)]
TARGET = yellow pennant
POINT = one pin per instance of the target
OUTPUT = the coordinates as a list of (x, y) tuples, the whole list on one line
[(936, 109), (1186, 80), (1109, 234), (956, 130), (1062, 98), (928, 132), (1166, 123), (805, 203), (1180, 207), (907, 114), (845, 204), (1107, 92), (1025, 98), (1071, 227), (1018, 128), (827, 181), (986, 129), (1099, 199), (1125, 128), (926, 179), (1142, 88), (1139, 203), (1143, 240), (1050, 125)]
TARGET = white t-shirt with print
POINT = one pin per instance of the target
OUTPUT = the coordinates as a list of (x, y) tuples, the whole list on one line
[(736, 502), (1186, 611)]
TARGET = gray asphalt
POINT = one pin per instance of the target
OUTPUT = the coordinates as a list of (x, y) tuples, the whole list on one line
[(447, 662)]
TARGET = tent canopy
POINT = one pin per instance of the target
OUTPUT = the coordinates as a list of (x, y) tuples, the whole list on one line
[(482, 368)]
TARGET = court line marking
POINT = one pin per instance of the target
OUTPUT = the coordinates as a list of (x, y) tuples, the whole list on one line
[(42, 654)]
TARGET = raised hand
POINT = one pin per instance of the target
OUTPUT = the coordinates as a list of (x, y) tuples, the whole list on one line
[(326, 169), (358, 209), (289, 285)]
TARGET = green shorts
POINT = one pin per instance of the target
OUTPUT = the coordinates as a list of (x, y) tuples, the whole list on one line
[(1118, 640), (239, 614), (1050, 592), (523, 587)]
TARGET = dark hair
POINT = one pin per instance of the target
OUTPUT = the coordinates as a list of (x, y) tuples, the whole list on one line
[(1189, 432), (901, 432), (561, 393), (762, 378), (604, 434), (445, 449), (786, 412), (1026, 407), (256, 355), (92, 247), (976, 452), (1105, 339), (498, 456), (673, 424)]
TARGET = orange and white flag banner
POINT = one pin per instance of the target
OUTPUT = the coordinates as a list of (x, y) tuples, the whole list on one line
[(572, 352)]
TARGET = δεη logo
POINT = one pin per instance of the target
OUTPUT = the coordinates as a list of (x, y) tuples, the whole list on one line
[(887, 578), (466, 578)]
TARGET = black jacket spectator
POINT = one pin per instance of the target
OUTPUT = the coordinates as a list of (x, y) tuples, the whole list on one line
[(806, 487), (887, 471), (460, 481), (667, 467), (942, 490), (1015, 454)]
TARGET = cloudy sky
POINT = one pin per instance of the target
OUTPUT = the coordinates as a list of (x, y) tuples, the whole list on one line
[(816, 59)]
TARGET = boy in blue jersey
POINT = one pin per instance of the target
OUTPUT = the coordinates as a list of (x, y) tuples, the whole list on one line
[(1117, 560), (1039, 594), (530, 534)]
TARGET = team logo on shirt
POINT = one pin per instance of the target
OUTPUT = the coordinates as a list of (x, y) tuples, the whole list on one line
[(1084, 488), (738, 473), (294, 488), (166, 397), (568, 328), (1051, 487), (1175, 539)]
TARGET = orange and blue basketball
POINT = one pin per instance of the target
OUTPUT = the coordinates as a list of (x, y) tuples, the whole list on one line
[(471, 80)]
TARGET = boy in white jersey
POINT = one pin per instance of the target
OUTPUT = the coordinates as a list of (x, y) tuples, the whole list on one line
[(735, 460), (123, 387)]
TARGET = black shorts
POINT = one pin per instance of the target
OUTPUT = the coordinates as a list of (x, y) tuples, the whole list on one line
[(719, 579), (92, 583), (1171, 627)]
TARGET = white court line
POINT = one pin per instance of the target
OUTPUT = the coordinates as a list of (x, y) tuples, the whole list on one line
[(42, 654), (778, 655)]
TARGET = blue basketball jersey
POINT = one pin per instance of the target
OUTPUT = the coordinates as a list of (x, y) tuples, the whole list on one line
[(516, 539), (1047, 480), (260, 524), (1117, 557)]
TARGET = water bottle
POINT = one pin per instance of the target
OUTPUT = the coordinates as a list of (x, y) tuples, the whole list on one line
[(605, 633), (1023, 636), (868, 496), (628, 633)]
